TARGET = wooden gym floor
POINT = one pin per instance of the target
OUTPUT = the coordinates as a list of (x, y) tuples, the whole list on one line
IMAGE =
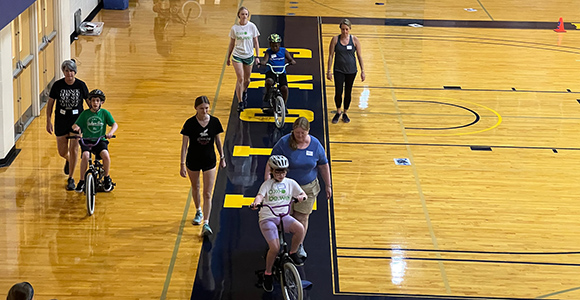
[(482, 104)]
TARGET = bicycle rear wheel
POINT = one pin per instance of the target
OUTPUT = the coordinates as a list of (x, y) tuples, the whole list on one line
[(291, 282), (279, 111), (90, 192)]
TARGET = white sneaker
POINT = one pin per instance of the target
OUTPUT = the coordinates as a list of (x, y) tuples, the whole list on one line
[(301, 251)]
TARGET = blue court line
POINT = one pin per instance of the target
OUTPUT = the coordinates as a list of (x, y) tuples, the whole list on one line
[(461, 251), (558, 293), (465, 260), (452, 145), (176, 247)]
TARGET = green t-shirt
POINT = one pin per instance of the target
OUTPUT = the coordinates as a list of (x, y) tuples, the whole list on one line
[(94, 125)]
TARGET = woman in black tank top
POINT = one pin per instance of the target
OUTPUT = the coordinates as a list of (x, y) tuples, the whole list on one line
[(344, 47)]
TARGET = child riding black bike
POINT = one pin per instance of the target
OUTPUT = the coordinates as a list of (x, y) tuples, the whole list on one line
[(277, 57), (278, 191), (92, 123)]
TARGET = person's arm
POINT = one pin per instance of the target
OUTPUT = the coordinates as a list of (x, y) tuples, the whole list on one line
[(289, 58), (114, 128), (76, 128), (230, 50), (266, 59), (218, 143), (184, 143), (257, 201), (325, 173), (49, 107), (257, 47), (330, 57), (359, 56)]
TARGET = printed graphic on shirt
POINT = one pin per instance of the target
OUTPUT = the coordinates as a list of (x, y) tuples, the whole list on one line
[(204, 137), (94, 124), (70, 98), (278, 192), (243, 36)]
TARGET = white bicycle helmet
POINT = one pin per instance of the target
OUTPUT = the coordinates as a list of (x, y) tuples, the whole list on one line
[(278, 162)]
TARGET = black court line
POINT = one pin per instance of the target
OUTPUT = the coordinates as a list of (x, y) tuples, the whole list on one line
[(477, 118), (464, 260), (460, 251), (458, 90), (451, 23), (341, 160), (455, 145), (429, 297)]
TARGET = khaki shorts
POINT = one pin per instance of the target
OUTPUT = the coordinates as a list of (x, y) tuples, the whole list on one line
[(311, 189)]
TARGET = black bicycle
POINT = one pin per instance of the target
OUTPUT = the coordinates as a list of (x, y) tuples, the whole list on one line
[(275, 98), (95, 174), (284, 269)]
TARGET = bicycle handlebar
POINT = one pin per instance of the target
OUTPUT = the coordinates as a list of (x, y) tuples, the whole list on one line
[(260, 205), (278, 73), (84, 141)]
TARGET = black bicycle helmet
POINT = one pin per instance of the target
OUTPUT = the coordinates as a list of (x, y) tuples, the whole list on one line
[(97, 93), (274, 38)]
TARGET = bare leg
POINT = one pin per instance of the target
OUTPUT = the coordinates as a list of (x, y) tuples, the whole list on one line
[(284, 90), (84, 164), (272, 253), (303, 219), (247, 73), (298, 233), (194, 179), (239, 68), (73, 156), (62, 147), (208, 180)]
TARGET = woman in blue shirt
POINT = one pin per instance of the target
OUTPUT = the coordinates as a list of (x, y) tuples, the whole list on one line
[(307, 157)]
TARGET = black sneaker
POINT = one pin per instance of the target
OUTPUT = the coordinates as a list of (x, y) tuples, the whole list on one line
[(108, 184), (70, 184), (336, 118), (66, 166), (268, 283), (345, 118), (80, 186), (296, 259), (240, 106)]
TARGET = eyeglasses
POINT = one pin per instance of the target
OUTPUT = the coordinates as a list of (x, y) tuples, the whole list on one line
[(279, 170)]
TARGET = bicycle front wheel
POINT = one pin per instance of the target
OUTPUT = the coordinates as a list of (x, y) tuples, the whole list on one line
[(279, 112), (291, 282), (90, 192)]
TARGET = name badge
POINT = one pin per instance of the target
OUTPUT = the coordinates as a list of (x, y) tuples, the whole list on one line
[(309, 153), (348, 47), (63, 112), (75, 111)]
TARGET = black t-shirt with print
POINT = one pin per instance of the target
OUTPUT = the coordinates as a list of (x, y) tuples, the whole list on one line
[(201, 139), (68, 98)]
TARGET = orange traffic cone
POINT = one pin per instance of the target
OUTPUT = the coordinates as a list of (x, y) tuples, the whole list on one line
[(560, 26)]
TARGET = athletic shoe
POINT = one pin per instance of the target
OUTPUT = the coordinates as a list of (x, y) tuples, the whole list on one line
[(268, 283), (336, 118), (345, 118), (108, 184), (198, 218), (296, 259), (240, 106), (66, 166), (70, 184), (80, 186), (206, 230), (301, 252)]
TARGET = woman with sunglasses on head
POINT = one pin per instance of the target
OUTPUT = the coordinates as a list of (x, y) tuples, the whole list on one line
[(306, 158)]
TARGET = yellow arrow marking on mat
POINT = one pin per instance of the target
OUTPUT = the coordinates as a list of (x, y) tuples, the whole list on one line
[(256, 115), (237, 201), (247, 151)]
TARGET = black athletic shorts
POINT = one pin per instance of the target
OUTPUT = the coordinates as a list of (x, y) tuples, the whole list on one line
[(102, 145), (63, 126), (281, 79), (201, 164)]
